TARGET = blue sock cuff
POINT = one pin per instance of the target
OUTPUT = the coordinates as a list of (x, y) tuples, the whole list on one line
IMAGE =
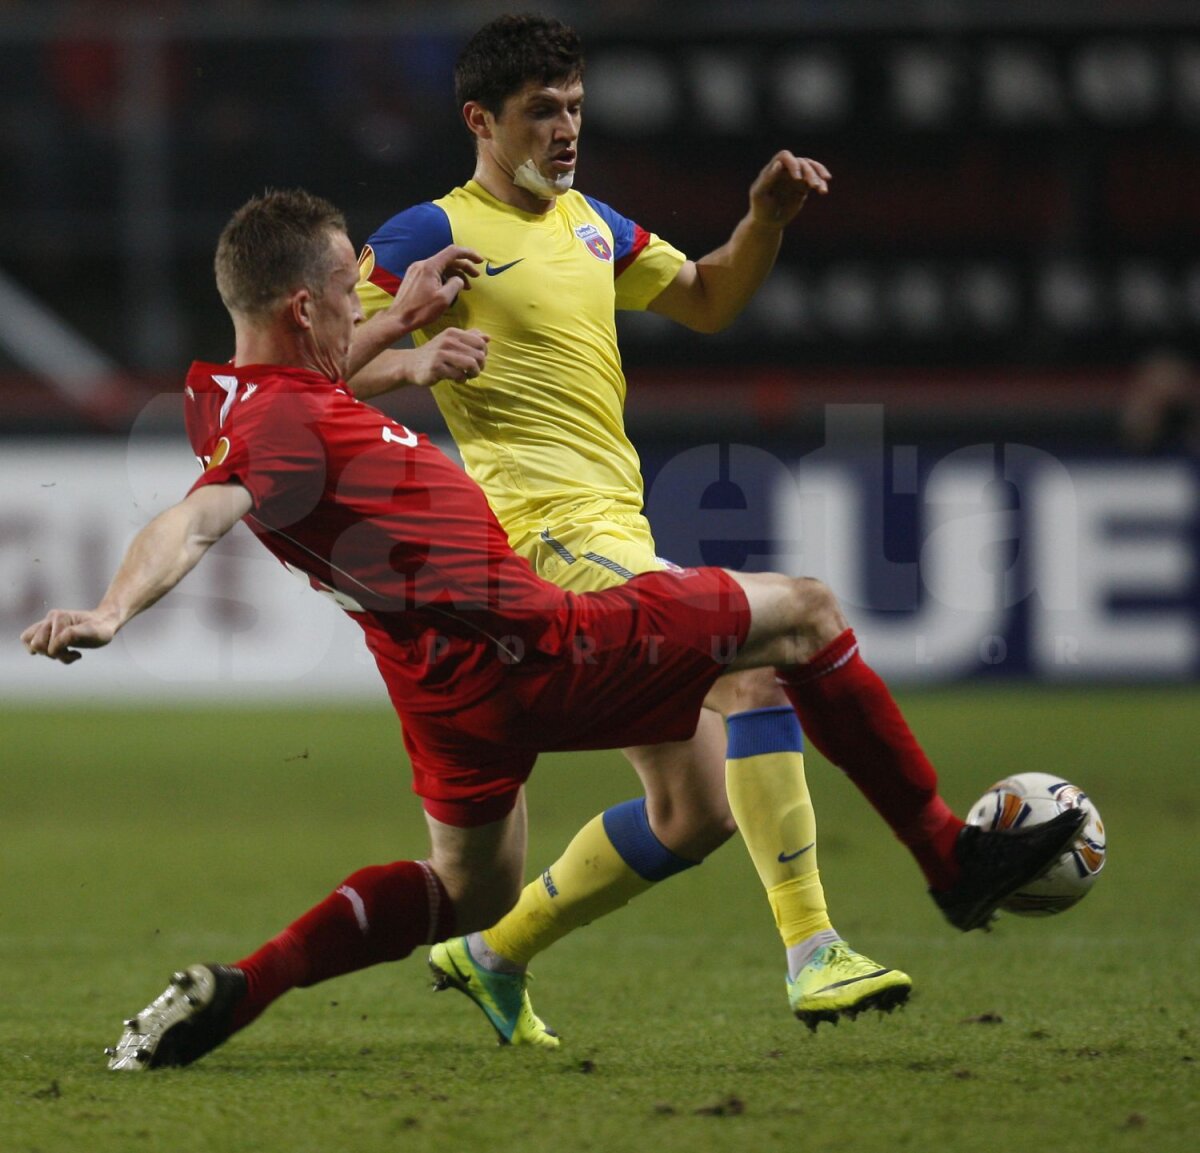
[(758, 731), (628, 828)]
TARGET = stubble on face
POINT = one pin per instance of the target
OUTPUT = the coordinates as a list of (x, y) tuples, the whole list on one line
[(536, 137)]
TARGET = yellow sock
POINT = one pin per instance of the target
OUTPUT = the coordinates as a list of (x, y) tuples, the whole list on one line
[(612, 859), (764, 777)]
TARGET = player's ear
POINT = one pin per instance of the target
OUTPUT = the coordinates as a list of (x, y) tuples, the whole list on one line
[(478, 120), (300, 308)]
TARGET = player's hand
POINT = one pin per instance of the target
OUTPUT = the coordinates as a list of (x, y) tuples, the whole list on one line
[(781, 188), (456, 354), (61, 632), (430, 286)]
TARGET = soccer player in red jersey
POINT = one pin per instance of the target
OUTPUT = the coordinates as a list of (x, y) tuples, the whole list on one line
[(486, 663)]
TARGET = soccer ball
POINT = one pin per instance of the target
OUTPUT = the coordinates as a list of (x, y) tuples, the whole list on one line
[(1031, 798)]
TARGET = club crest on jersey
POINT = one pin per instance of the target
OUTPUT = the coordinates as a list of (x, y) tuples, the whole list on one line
[(595, 242)]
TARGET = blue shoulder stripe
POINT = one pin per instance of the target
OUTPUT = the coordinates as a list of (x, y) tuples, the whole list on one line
[(624, 230), (414, 234)]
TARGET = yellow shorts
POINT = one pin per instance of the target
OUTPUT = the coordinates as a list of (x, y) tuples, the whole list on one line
[(594, 553)]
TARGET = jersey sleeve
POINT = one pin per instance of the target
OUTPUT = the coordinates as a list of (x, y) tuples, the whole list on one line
[(643, 263), (414, 234), (273, 449)]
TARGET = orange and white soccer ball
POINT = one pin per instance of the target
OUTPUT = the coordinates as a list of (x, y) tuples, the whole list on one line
[(1030, 799)]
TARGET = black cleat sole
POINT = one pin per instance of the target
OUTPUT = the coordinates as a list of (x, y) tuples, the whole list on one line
[(885, 1001)]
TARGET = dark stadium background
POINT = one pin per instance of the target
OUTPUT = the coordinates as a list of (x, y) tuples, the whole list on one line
[(1010, 256)]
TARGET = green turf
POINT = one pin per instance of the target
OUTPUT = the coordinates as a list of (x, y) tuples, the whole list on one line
[(132, 842)]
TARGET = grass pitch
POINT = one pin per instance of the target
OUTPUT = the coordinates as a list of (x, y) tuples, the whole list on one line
[(132, 842)]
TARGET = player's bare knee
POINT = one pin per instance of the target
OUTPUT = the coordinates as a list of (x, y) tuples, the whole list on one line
[(816, 615), (813, 601)]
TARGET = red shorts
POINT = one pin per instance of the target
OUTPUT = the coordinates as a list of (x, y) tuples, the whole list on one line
[(639, 661)]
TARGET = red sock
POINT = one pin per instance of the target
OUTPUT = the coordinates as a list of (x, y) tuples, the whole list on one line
[(381, 913), (849, 715)]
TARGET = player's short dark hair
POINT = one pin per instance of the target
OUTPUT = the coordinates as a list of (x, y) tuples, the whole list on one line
[(505, 55), (274, 244)]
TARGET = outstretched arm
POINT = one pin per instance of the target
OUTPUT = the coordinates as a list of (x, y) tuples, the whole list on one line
[(157, 559), (708, 294)]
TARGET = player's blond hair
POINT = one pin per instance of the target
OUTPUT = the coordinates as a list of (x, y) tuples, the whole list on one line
[(274, 244)]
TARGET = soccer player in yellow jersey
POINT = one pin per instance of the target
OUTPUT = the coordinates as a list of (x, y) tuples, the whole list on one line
[(527, 374)]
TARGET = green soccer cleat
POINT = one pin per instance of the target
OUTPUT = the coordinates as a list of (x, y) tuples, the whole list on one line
[(502, 996), (838, 982)]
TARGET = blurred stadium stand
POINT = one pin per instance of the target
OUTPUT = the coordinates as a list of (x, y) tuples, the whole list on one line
[(1014, 221), (967, 397)]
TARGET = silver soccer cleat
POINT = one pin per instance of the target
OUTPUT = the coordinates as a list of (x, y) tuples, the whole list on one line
[(189, 1018)]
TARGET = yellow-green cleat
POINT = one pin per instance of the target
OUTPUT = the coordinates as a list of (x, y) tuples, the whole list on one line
[(838, 982), (503, 997)]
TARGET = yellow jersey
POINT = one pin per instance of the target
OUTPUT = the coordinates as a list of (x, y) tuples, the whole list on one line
[(542, 429)]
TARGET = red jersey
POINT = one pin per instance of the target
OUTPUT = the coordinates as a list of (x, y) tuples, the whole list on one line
[(380, 519)]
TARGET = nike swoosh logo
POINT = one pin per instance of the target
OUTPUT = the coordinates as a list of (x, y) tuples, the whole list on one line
[(496, 269), (783, 858)]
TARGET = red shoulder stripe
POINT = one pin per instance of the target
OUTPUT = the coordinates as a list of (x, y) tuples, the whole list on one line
[(381, 278), (640, 239)]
